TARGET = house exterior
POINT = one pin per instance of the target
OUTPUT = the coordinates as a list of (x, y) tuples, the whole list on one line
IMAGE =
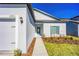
[(19, 24), (16, 24), (73, 26), (48, 25)]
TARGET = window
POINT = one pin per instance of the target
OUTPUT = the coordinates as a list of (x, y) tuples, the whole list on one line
[(54, 29)]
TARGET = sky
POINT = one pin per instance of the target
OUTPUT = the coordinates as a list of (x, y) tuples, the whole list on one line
[(59, 10)]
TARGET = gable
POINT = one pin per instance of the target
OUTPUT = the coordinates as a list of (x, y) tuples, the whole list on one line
[(42, 16), (76, 18)]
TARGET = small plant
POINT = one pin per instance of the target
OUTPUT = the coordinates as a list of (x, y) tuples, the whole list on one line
[(17, 52), (71, 38), (43, 35)]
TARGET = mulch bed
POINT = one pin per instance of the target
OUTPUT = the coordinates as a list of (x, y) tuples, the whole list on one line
[(30, 49), (61, 40)]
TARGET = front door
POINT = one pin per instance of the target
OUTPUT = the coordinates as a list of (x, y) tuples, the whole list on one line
[(39, 29), (7, 34)]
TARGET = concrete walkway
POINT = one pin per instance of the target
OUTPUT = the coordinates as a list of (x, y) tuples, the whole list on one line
[(6, 53), (39, 48)]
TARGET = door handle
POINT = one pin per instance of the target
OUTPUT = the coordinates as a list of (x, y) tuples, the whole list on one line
[(12, 42), (13, 26)]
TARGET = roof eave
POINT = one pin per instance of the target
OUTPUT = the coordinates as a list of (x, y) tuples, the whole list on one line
[(51, 21), (31, 10)]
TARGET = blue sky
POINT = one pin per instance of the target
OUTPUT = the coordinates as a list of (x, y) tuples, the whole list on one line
[(59, 10)]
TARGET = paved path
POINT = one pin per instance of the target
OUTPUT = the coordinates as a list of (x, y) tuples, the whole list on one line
[(39, 48), (6, 53)]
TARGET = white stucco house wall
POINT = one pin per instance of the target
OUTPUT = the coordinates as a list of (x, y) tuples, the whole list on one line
[(48, 25), (16, 27)]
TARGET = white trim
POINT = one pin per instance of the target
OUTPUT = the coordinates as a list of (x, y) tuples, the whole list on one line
[(16, 33)]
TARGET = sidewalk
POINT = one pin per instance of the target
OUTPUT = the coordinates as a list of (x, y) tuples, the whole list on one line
[(39, 48), (6, 53)]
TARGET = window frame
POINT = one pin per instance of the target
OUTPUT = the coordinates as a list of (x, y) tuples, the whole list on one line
[(54, 31)]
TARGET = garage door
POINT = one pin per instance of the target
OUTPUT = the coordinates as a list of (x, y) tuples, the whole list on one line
[(7, 34)]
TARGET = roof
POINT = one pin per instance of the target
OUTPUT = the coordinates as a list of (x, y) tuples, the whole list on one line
[(69, 20), (51, 21), (31, 10), (18, 5), (77, 22), (38, 10), (45, 14), (75, 18)]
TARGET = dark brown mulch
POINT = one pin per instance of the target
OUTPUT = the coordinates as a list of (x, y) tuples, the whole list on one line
[(61, 40)]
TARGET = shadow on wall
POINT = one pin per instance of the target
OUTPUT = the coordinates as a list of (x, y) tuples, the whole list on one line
[(71, 29), (30, 29), (31, 20)]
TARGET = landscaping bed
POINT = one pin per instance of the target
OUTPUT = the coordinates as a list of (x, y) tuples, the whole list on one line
[(62, 46), (61, 40), (30, 49)]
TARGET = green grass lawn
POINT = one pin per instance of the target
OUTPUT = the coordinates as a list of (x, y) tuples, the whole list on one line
[(62, 49)]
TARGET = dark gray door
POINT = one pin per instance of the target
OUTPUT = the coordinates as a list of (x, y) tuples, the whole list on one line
[(39, 29)]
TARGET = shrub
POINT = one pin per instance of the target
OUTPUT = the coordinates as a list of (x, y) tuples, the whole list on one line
[(17, 52)]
